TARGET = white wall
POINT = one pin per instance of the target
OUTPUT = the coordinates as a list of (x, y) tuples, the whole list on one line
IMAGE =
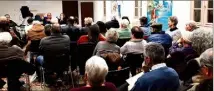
[(13, 8)]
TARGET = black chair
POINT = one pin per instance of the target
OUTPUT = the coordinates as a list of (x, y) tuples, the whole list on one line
[(134, 61), (118, 77), (121, 42), (84, 52), (73, 53)]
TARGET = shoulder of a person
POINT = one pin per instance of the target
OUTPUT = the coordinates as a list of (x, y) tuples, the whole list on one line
[(110, 85)]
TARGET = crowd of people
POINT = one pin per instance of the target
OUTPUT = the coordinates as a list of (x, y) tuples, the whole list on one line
[(170, 60)]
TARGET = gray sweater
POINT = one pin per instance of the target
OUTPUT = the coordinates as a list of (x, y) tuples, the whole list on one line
[(104, 47)]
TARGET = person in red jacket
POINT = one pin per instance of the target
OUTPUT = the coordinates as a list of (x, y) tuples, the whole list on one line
[(93, 36)]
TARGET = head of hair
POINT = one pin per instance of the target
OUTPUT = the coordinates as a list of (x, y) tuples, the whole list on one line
[(137, 32), (96, 70), (88, 21), (143, 20), (156, 27), (112, 35), (56, 28), (124, 23), (26, 12), (38, 18), (174, 19), (70, 21), (202, 39), (76, 20), (93, 33), (5, 38), (48, 28), (102, 26), (155, 52), (30, 21), (4, 24), (192, 25), (206, 58), (126, 17)]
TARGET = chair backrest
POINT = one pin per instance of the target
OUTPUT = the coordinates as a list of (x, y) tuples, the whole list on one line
[(134, 59), (34, 46), (118, 77), (121, 42)]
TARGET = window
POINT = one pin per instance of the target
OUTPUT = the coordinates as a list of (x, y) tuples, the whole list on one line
[(138, 8), (202, 12)]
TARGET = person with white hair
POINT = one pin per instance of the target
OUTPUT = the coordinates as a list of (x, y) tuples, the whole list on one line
[(108, 48), (191, 26), (96, 70), (159, 77), (12, 63), (124, 32), (87, 23)]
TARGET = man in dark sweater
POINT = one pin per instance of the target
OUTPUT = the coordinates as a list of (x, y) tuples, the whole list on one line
[(160, 77)]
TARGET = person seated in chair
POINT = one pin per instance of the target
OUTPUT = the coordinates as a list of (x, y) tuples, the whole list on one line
[(12, 63), (96, 70), (136, 44), (158, 77), (93, 36), (108, 49), (124, 32), (159, 36), (55, 49)]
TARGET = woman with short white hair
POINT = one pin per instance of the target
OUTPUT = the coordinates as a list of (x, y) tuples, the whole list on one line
[(96, 70), (124, 31)]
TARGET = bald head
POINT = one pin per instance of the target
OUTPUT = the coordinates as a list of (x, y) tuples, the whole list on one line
[(56, 28), (3, 19)]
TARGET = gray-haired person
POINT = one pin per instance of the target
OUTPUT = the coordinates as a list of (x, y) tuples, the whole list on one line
[(160, 77), (96, 70)]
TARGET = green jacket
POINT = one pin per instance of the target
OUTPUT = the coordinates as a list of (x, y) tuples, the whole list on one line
[(124, 33)]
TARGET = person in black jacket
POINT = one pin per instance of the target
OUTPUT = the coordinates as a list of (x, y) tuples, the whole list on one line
[(11, 22), (55, 49), (112, 24)]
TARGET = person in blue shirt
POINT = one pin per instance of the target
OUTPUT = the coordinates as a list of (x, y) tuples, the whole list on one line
[(159, 77)]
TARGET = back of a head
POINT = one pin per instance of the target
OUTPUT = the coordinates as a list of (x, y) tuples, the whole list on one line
[(93, 33), (25, 12), (206, 58), (202, 39), (126, 17), (102, 26), (30, 21), (96, 70), (137, 32), (155, 52), (4, 25), (56, 28), (124, 23), (88, 21), (48, 28), (70, 21), (112, 35), (143, 20), (156, 27)]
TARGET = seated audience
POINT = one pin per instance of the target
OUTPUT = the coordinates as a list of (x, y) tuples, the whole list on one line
[(93, 36), (102, 27), (12, 63), (35, 33), (173, 31), (113, 23), (109, 50), (96, 70), (145, 27), (204, 80), (29, 26), (87, 23), (201, 39), (55, 49), (136, 44), (48, 28), (124, 32), (72, 31), (159, 36), (160, 77), (11, 22)]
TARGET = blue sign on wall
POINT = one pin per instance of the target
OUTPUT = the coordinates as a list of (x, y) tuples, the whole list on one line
[(159, 11)]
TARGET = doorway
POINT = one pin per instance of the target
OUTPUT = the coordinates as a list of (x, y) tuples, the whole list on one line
[(87, 10)]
